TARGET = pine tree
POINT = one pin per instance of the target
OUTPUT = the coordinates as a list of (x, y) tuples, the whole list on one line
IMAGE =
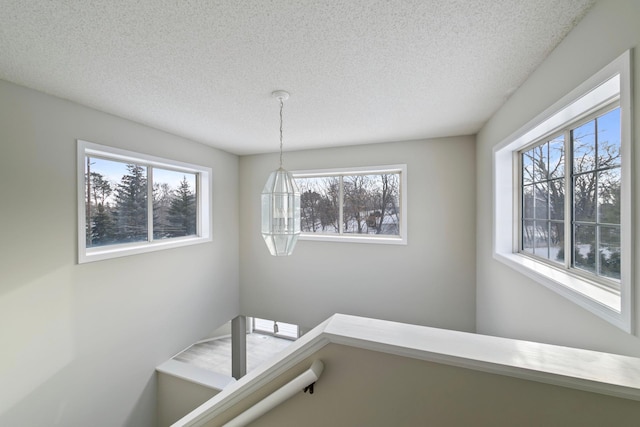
[(131, 205), (102, 229), (182, 212)]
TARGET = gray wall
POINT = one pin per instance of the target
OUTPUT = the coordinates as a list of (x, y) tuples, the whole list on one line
[(509, 304), (79, 343), (430, 281), (177, 397)]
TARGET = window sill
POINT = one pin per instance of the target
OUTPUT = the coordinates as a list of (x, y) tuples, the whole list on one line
[(348, 238), (603, 302), (116, 251)]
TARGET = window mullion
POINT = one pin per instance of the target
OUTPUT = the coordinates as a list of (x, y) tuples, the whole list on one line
[(568, 200), (149, 203), (87, 216), (596, 175), (198, 204), (341, 205), (518, 242)]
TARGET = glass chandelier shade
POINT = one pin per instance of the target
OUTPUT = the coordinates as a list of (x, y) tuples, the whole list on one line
[(280, 213), (280, 204)]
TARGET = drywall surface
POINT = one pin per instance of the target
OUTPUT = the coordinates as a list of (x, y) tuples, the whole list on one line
[(177, 397), (430, 281), (366, 388), (508, 303), (80, 343)]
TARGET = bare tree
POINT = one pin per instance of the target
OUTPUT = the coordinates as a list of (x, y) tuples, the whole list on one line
[(162, 196), (310, 206), (356, 201), (387, 205), (101, 189)]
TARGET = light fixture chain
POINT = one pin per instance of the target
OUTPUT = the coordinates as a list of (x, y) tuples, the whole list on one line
[(281, 107)]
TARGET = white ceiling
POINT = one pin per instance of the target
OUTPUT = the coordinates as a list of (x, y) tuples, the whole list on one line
[(359, 71)]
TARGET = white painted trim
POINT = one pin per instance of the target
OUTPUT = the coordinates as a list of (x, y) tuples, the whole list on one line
[(279, 396), (401, 239), (195, 374), (205, 203), (611, 83), (594, 298), (353, 238), (295, 353), (587, 370), (311, 173)]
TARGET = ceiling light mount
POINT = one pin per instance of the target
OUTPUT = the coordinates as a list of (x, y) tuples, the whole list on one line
[(282, 95)]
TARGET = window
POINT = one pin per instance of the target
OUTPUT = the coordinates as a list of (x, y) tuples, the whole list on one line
[(131, 203), (562, 196), (590, 151), (359, 205), (275, 328)]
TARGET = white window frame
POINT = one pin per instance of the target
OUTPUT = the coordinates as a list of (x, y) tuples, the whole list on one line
[(204, 185), (611, 83), (361, 238), (271, 331)]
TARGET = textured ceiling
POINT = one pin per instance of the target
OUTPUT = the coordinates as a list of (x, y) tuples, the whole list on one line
[(359, 71)]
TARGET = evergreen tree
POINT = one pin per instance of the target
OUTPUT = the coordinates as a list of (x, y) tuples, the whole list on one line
[(182, 212), (100, 226), (102, 229), (131, 205)]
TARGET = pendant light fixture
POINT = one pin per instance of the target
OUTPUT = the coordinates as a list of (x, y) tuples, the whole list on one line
[(280, 203)]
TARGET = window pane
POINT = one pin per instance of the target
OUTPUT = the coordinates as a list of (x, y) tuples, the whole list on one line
[(99, 200), (356, 203), (542, 239), (269, 326), (610, 252), (528, 236), (131, 205), (609, 196), (174, 204), (540, 162), (609, 139), (556, 242), (527, 202), (527, 167), (584, 247), (541, 200), (584, 197), (556, 199), (372, 204), (584, 147), (319, 204), (116, 204), (556, 157)]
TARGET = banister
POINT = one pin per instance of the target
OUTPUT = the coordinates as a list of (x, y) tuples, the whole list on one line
[(284, 393), (587, 370)]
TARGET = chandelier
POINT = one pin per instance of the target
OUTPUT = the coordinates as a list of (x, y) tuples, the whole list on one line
[(280, 203)]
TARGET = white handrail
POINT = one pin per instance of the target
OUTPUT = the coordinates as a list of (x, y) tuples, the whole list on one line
[(591, 371), (285, 392)]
